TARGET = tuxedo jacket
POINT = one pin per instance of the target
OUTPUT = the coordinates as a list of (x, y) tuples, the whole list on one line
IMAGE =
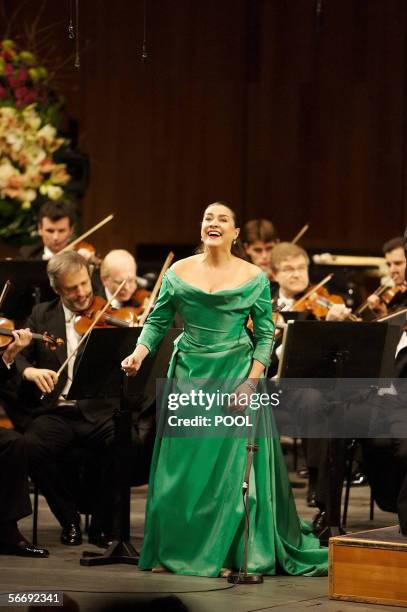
[(5, 372), (99, 289), (32, 251), (49, 317)]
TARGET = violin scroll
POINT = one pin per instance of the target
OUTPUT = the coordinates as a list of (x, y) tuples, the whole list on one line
[(6, 336)]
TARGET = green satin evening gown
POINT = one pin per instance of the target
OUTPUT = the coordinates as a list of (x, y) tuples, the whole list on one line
[(195, 513)]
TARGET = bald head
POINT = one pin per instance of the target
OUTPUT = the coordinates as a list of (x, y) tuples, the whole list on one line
[(117, 266)]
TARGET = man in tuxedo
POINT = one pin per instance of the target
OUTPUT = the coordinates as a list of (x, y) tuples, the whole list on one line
[(56, 222), (386, 458), (117, 266), (290, 266), (259, 238), (14, 497), (393, 251), (58, 424)]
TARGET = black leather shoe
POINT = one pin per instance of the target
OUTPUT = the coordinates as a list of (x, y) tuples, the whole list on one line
[(319, 522), (98, 538), (71, 535), (23, 549), (322, 530)]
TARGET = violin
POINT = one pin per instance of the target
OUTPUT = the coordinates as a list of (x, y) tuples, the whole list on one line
[(391, 292), (6, 336), (91, 256), (123, 317), (319, 302), (386, 294)]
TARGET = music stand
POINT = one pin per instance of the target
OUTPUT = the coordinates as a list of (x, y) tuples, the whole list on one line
[(293, 315), (98, 375), (334, 349), (30, 285)]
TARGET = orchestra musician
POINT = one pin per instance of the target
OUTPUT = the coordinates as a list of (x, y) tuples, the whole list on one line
[(259, 238), (289, 265), (55, 225), (119, 265), (394, 255), (290, 289), (14, 495), (386, 457), (59, 424)]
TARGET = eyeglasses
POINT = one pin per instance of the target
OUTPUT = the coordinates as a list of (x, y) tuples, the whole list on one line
[(291, 269), (117, 282)]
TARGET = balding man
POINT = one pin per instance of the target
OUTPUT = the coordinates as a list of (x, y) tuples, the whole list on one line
[(117, 266)]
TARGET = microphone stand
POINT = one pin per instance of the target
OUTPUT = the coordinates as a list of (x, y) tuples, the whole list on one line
[(251, 447), (246, 577)]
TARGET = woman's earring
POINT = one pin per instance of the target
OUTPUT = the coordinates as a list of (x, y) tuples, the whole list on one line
[(234, 242)]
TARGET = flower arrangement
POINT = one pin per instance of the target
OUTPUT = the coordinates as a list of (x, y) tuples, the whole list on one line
[(29, 172)]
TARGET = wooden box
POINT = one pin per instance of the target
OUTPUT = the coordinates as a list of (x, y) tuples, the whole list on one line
[(370, 566)]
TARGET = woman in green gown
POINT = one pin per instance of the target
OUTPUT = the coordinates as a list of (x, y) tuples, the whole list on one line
[(195, 513)]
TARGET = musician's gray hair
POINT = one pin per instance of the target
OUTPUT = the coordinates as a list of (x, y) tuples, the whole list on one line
[(61, 263)]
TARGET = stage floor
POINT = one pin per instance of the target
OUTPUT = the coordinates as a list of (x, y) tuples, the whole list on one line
[(92, 588)]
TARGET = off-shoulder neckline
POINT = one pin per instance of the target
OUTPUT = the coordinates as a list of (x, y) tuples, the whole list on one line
[(220, 290)]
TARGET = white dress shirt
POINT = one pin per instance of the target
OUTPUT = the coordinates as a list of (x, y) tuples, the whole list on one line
[(47, 254), (114, 303), (72, 341)]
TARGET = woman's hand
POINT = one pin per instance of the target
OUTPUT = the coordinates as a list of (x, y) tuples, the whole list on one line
[(243, 395), (132, 363)]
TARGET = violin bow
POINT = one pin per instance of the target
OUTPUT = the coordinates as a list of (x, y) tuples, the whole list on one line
[(300, 234), (391, 316), (6, 289), (86, 334), (311, 291), (72, 244), (156, 289)]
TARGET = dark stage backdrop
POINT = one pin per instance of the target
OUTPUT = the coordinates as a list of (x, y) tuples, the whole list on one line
[(289, 109)]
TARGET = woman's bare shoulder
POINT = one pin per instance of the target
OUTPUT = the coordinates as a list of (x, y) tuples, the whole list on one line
[(249, 269), (185, 264)]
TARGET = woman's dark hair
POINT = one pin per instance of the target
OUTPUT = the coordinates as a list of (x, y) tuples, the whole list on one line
[(237, 247)]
